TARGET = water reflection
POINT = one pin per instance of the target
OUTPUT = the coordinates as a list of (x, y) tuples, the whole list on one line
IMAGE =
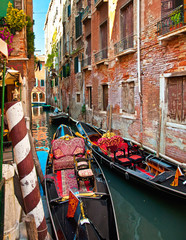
[(143, 214), (41, 129)]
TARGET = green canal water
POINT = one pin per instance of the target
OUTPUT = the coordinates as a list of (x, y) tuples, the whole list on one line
[(141, 214)]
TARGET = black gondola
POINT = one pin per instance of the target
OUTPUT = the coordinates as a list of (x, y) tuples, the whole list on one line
[(94, 217), (134, 162)]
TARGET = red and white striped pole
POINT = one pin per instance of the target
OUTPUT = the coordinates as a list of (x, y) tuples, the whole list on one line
[(25, 165)]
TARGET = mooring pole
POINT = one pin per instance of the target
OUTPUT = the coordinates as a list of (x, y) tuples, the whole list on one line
[(2, 117), (25, 165)]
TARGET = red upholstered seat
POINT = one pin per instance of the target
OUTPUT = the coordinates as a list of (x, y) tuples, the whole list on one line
[(111, 144)]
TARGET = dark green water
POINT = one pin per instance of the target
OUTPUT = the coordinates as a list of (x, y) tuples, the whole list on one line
[(141, 214)]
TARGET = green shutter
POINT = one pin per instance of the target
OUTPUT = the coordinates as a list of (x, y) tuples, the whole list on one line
[(4, 6), (76, 64)]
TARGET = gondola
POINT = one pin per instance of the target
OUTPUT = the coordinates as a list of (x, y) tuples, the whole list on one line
[(57, 117), (77, 194), (134, 162)]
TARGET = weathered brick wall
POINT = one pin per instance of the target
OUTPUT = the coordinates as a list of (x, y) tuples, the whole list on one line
[(156, 59)]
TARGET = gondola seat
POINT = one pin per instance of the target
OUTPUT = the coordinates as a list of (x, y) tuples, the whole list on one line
[(120, 157), (83, 171), (64, 151), (81, 163), (136, 158)]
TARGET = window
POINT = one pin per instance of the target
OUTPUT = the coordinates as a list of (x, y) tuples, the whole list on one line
[(66, 70), (56, 81), (40, 96), (52, 83), (176, 87), (103, 39), (78, 25), (34, 95), (88, 49), (42, 83), (89, 89), (128, 97), (36, 82), (168, 5), (126, 20), (77, 65), (69, 10), (78, 98), (105, 97)]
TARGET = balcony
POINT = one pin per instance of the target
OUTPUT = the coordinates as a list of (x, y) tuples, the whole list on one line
[(101, 56), (86, 14), (98, 3), (173, 24), (86, 63), (125, 46)]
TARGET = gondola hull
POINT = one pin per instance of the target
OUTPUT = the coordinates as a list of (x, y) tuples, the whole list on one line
[(137, 176), (98, 206)]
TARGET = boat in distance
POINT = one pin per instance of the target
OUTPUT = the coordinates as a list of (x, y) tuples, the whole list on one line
[(77, 194), (134, 162)]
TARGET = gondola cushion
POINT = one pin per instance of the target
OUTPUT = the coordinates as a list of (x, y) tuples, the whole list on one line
[(110, 143), (85, 173), (65, 162), (64, 150)]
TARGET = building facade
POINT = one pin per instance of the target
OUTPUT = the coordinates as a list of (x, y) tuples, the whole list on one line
[(20, 58), (127, 56), (38, 95)]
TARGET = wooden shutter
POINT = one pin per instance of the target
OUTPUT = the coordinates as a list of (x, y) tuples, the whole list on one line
[(177, 98), (103, 33), (105, 97), (76, 64), (126, 19)]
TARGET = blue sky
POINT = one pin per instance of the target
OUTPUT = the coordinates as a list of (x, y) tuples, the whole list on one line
[(40, 8)]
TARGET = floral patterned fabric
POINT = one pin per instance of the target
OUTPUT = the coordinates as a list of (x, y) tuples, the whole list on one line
[(85, 173), (58, 153), (111, 144), (68, 148), (63, 163)]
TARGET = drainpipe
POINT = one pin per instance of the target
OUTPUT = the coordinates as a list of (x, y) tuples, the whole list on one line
[(139, 68)]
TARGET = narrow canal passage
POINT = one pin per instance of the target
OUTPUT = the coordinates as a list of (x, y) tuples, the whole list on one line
[(141, 214)]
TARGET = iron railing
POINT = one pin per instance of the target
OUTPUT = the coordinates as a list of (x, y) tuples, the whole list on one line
[(86, 62), (124, 44), (86, 12), (174, 20), (103, 54)]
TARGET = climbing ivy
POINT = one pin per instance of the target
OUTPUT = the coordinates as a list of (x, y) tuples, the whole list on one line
[(53, 54)]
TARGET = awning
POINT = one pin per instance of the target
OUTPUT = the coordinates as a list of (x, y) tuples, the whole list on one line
[(3, 48), (11, 77)]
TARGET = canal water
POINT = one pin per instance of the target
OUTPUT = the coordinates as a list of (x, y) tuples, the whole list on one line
[(141, 214)]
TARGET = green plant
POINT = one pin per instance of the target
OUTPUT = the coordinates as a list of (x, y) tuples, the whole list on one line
[(15, 19), (83, 109), (30, 37), (53, 54), (7, 36)]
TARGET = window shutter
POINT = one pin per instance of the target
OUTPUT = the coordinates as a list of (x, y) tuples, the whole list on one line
[(76, 64), (175, 102)]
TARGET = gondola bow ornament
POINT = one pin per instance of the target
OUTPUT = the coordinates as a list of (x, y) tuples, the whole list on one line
[(177, 175), (72, 205)]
